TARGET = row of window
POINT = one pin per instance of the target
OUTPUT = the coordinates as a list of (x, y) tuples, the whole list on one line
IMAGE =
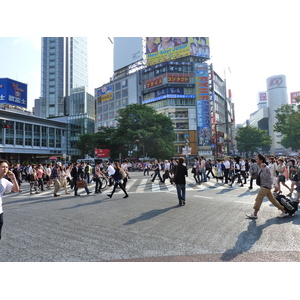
[(168, 69), (31, 135), (111, 106)]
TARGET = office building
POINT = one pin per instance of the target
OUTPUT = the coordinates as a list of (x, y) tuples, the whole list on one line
[(64, 67)]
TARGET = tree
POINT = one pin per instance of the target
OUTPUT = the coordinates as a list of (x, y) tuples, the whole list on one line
[(142, 127), (288, 125), (251, 139)]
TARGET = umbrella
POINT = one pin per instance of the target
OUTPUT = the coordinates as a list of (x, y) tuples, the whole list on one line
[(52, 157)]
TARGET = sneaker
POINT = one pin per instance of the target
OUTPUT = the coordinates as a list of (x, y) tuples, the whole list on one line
[(283, 215), (251, 216)]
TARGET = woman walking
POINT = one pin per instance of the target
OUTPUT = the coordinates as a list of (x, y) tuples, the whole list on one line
[(118, 181)]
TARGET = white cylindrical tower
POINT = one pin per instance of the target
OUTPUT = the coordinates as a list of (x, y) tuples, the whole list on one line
[(277, 96)]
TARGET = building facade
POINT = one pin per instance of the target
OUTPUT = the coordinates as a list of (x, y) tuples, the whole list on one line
[(31, 138), (277, 96), (116, 94), (64, 67)]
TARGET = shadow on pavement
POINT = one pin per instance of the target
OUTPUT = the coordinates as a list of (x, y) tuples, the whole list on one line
[(150, 214), (248, 238)]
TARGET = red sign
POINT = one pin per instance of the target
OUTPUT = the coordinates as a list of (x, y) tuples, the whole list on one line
[(154, 82), (294, 95), (262, 97), (102, 152)]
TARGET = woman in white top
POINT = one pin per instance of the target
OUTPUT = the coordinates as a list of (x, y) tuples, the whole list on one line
[(6, 185)]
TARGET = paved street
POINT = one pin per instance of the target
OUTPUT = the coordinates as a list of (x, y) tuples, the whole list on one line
[(147, 226)]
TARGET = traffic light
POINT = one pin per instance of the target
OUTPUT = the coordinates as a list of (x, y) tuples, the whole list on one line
[(4, 125)]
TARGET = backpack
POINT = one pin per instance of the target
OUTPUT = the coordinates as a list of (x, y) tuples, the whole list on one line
[(222, 167)]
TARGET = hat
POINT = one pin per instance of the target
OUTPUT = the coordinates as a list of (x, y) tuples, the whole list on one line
[(59, 163)]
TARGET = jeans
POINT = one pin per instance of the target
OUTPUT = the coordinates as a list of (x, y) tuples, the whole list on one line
[(204, 178), (180, 192)]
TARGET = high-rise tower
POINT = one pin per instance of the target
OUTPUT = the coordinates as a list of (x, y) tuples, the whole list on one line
[(277, 96), (64, 67)]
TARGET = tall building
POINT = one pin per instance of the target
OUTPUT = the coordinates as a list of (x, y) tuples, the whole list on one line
[(64, 67), (277, 96)]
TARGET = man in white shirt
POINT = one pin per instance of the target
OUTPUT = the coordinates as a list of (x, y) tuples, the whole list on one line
[(110, 171), (226, 164)]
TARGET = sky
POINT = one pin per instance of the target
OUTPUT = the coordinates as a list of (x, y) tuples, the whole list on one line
[(248, 43)]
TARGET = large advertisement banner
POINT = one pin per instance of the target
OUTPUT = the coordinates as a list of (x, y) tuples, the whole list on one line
[(13, 92), (202, 105), (160, 49)]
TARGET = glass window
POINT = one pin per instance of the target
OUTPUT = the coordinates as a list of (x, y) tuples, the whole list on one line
[(28, 135), (44, 136), (51, 137), (37, 134), (19, 133)]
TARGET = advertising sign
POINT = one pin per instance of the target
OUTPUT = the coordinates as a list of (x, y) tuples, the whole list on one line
[(202, 104), (278, 81), (105, 93), (160, 49), (263, 97), (100, 153), (294, 95), (13, 92), (127, 50)]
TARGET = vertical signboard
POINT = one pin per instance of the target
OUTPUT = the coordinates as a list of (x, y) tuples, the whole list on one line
[(202, 105)]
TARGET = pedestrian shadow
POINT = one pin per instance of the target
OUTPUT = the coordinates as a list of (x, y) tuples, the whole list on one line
[(149, 215), (249, 237)]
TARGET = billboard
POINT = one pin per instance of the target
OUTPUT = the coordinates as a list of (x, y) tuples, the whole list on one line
[(127, 50), (160, 49), (262, 96), (13, 92), (202, 105), (294, 95), (106, 93)]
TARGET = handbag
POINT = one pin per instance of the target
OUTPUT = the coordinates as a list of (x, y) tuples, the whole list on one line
[(80, 183)]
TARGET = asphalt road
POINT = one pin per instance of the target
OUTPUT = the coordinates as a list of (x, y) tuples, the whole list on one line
[(148, 226)]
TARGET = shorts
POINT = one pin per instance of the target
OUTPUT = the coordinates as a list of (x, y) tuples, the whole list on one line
[(281, 178)]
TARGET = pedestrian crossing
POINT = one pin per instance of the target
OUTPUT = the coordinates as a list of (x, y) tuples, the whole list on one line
[(134, 185), (147, 186)]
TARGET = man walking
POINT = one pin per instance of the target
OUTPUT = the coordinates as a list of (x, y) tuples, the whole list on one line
[(180, 173), (265, 189)]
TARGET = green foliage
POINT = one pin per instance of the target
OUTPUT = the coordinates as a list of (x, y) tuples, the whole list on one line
[(138, 126), (251, 139), (152, 132), (288, 117)]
